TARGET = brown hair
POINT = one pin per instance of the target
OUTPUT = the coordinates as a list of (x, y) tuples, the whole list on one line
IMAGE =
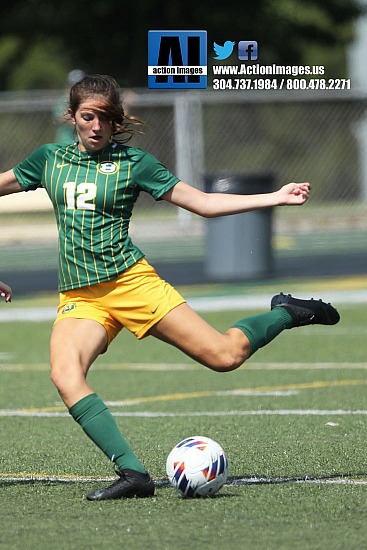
[(110, 104)]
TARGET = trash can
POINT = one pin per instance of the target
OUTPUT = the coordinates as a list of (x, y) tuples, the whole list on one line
[(239, 246)]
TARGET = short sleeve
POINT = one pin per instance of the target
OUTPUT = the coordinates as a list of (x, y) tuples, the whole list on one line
[(29, 172), (152, 176)]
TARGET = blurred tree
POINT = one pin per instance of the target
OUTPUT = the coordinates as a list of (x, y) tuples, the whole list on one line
[(43, 67), (44, 39)]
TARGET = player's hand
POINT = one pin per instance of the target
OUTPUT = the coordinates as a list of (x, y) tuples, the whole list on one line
[(6, 292), (294, 193)]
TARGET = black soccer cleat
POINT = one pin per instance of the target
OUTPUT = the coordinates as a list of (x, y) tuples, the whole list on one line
[(129, 484), (306, 312)]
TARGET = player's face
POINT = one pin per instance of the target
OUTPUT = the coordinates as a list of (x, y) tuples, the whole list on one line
[(94, 130)]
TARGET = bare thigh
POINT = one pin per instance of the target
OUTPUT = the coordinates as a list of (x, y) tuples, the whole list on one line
[(185, 329), (74, 345)]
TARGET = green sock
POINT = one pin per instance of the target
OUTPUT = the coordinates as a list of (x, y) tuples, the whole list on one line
[(100, 426), (262, 329)]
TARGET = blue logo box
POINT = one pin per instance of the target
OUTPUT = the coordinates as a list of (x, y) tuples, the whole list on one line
[(177, 59)]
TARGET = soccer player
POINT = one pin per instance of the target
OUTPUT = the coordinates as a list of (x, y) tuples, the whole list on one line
[(5, 292), (105, 283)]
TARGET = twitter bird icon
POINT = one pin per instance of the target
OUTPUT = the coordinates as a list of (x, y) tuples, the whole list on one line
[(224, 51)]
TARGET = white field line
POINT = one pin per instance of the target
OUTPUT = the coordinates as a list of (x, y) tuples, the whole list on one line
[(199, 304), (156, 414), (232, 482), (224, 303)]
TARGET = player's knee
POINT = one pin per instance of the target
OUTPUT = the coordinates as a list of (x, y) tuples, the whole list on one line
[(225, 362), (58, 377), (231, 352), (227, 366), (65, 378)]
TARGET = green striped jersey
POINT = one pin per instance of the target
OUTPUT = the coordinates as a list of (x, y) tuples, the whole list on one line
[(93, 195)]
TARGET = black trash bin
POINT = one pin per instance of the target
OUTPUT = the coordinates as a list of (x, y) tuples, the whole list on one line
[(239, 246)]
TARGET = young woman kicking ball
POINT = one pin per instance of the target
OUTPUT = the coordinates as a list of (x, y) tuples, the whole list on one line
[(106, 284)]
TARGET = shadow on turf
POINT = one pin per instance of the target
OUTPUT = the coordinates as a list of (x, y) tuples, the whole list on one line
[(163, 482), (160, 483), (9, 483)]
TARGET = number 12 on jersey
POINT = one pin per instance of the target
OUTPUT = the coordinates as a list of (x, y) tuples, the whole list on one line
[(80, 196)]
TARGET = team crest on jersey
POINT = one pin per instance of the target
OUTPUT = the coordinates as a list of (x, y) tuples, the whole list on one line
[(68, 307), (107, 167)]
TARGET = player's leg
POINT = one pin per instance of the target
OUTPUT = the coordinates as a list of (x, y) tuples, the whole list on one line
[(186, 330), (75, 344)]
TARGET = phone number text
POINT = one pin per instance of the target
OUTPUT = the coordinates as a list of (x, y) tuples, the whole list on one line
[(281, 84)]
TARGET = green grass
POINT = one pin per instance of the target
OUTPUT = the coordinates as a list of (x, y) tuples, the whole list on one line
[(262, 507)]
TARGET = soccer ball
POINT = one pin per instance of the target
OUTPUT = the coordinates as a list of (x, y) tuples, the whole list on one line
[(197, 467)]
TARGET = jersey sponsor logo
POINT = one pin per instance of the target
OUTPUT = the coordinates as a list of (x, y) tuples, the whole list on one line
[(107, 167), (61, 165)]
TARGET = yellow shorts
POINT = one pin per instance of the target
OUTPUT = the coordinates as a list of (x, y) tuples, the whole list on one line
[(137, 299)]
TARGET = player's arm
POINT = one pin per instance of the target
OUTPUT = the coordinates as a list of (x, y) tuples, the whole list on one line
[(5, 292), (9, 183), (210, 205)]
